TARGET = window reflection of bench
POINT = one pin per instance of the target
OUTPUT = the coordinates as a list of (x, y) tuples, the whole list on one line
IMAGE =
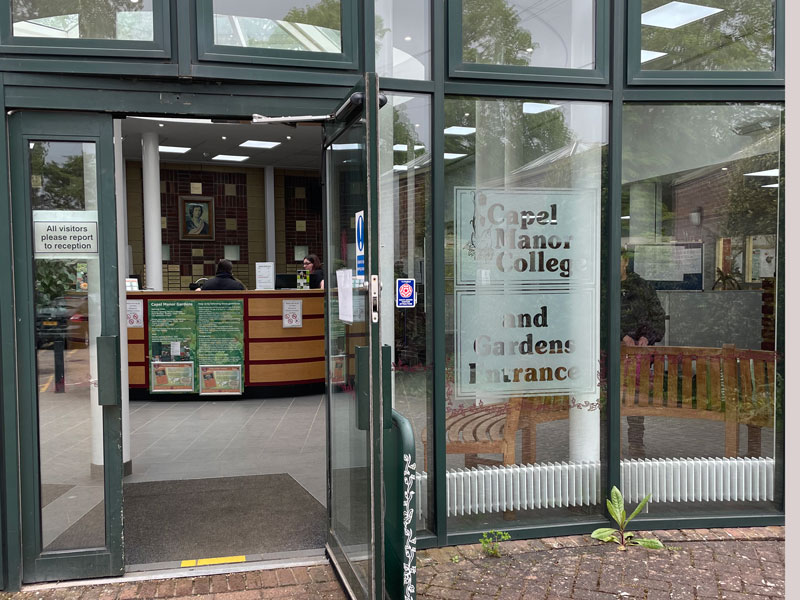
[(725, 384), (719, 384)]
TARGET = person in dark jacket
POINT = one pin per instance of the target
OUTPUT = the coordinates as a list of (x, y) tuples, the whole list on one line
[(224, 279), (641, 324)]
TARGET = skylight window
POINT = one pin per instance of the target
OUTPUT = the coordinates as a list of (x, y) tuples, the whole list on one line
[(456, 130)]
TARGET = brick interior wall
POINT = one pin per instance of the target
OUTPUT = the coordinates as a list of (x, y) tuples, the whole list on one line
[(300, 196)]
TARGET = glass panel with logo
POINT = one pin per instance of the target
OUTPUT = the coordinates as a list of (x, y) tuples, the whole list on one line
[(524, 190), (130, 20), (700, 386), (712, 35), (282, 25), (525, 33), (403, 39), (63, 190), (405, 165)]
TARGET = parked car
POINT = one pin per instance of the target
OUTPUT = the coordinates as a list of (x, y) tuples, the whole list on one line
[(66, 319)]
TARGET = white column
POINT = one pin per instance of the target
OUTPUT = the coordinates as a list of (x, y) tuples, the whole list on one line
[(151, 192), (122, 261)]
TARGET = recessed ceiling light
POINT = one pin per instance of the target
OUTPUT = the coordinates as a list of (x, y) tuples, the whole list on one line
[(625, 217), (174, 149), (224, 137), (173, 119), (724, 168), (772, 185), (648, 55), (767, 173), (346, 146), (407, 38), (160, 124), (259, 144), (288, 137), (230, 157), (456, 130), (400, 167), (677, 14), (453, 155), (534, 108)]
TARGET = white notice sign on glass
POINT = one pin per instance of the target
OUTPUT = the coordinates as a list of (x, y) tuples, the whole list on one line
[(292, 313), (344, 284)]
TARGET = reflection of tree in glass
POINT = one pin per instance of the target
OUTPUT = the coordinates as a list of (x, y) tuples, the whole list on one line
[(56, 184), (738, 38), (96, 20), (492, 35), (325, 13)]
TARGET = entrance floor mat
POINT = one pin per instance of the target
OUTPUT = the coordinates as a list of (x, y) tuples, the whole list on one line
[(194, 519)]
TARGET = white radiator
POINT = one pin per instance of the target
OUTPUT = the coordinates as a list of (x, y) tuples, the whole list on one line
[(550, 485)]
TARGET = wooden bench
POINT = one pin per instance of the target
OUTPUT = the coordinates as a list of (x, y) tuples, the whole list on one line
[(719, 384)]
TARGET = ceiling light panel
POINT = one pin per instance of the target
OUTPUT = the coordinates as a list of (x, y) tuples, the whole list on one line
[(456, 130), (230, 157), (767, 173), (259, 144), (174, 149)]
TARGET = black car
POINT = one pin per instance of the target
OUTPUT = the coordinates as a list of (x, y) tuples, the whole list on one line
[(65, 319)]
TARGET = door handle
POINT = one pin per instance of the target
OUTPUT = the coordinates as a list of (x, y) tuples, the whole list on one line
[(362, 388), (108, 393)]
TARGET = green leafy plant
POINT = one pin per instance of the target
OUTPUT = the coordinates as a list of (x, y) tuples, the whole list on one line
[(455, 558), (490, 541), (616, 508)]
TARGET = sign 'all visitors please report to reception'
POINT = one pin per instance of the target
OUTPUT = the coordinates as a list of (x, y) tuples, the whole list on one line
[(526, 297)]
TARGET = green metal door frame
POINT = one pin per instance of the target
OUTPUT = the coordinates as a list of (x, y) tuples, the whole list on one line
[(37, 565)]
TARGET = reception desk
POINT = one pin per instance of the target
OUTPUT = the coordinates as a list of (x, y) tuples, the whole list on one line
[(274, 354)]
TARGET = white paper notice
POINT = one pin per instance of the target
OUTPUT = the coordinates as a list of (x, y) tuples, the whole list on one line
[(292, 313), (135, 313), (175, 348), (344, 283), (265, 275)]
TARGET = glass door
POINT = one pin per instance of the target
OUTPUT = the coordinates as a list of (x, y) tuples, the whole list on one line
[(66, 297), (355, 417)]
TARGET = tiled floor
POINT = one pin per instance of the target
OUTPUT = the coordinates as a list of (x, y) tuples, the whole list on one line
[(226, 438)]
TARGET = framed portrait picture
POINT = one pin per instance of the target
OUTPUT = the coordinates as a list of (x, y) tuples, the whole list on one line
[(196, 217)]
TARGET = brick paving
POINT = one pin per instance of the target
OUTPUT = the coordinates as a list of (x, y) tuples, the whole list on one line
[(700, 564)]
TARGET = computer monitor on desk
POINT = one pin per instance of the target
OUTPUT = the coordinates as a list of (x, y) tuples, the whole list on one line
[(286, 281)]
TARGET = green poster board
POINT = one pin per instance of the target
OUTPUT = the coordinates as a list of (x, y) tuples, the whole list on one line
[(220, 346), (196, 346)]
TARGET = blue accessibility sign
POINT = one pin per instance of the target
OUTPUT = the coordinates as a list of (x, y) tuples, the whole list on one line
[(406, 293)]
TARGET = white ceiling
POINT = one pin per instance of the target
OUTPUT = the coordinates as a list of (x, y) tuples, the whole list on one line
[(205, 139)]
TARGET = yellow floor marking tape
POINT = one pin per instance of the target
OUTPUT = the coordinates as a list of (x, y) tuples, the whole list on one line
[(44, 386), (220, 560)]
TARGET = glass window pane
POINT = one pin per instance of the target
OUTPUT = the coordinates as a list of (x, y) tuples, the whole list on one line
[(281, 25), (715, 35), (529, 34), (403, 39), (524, 186), (63, 191), (700, 220), (405, 164), (85, 20)]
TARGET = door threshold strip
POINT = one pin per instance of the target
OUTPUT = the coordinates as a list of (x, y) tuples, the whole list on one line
[(173, 570)]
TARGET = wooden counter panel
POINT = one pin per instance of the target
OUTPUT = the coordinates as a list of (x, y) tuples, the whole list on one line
[(274, 329), (273, 307), (287, 372), (135, 333), (136, 375), (282, 350), (135, 353)]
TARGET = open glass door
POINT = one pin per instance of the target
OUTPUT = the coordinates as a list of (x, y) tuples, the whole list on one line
[(66, 294), (355, 416)]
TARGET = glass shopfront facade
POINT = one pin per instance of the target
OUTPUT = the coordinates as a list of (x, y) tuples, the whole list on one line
[(587, 194)]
